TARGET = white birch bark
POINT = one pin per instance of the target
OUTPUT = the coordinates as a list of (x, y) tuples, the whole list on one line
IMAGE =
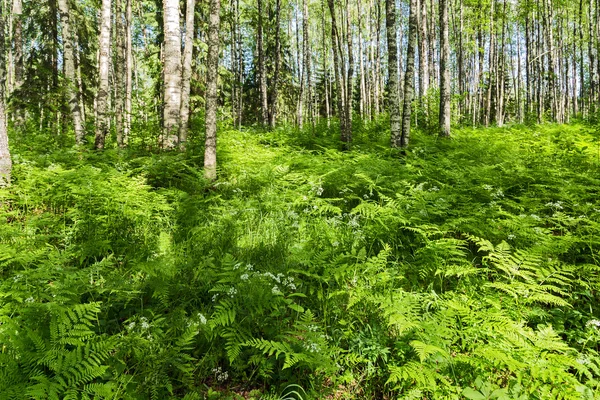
[(184, 113), (103, 119), (172, 72), (212, 69), (70, 73)]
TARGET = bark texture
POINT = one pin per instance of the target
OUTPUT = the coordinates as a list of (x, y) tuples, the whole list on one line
[(5, 161), (103, 120), (444, 71), (172, 72), (187, 72), (69, 65), (409, 76), (394, 101), (212, 67)]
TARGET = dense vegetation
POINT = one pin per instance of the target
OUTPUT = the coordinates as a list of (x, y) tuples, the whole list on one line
[(456, 269)]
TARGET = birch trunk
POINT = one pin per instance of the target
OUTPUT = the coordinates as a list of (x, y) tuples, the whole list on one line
[(212, 74), (69, 66), (275, 90), (261, 66), (184, 113), (103, 120), (5, 161), (409, 76), (444, 71), (128, 73), (172, 73), (119, 69), (394, 102)]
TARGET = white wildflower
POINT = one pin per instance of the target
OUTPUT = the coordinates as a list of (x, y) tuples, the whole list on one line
[(593, 322), (201, 318), (244, 277), (29, 300), (511, 236)]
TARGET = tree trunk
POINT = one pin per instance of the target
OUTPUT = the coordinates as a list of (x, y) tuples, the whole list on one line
[(119, 69), (128, 73), (275, 89), (18, 54), (212, 75), (337, 67), (444, 71), (172, 73), (5, 161), (184, 112), (423, 51), (103, 120), (394, 102), (69, 66), (347, 138), (409, 76), (261, 66)]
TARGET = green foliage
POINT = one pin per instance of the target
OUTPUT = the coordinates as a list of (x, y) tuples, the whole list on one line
[(462, 269)]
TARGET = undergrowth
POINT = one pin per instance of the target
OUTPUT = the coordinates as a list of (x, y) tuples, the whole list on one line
[(460, 269)]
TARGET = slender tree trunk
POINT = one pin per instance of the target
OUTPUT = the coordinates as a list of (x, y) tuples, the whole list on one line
[(261, 66), (444, 71), (103, 119), (212, 69), (325, 67), (172, 73), (120, 70), (337, 67), (5, 160), (349, 79), (275, 89), (394, 101), (69, 66), (423, 53), (378, 77), (128, 72), (184, 111), (306, 51), (17, 15), (409, 76)]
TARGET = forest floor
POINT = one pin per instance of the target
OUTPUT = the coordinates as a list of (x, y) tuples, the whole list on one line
[(463, 268)]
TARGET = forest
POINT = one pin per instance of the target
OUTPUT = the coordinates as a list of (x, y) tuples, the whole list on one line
[(299, 199)]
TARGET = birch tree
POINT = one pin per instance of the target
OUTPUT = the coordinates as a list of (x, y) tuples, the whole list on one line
[(212, 69), (187, 71), (103, 119), (171, 72), (5, 160), (444, 71), (394, 101)]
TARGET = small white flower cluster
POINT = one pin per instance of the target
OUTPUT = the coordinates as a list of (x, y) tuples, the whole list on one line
[(17, 277), (536, 217), (434, 189), (498, 194), (29, 300), (201, 318), (557, 204), (583, 360), (220, 374), (144, 323), (488, 187), (593, 322), (511, 236), (232, 292), (311, 346), (353, 222)]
